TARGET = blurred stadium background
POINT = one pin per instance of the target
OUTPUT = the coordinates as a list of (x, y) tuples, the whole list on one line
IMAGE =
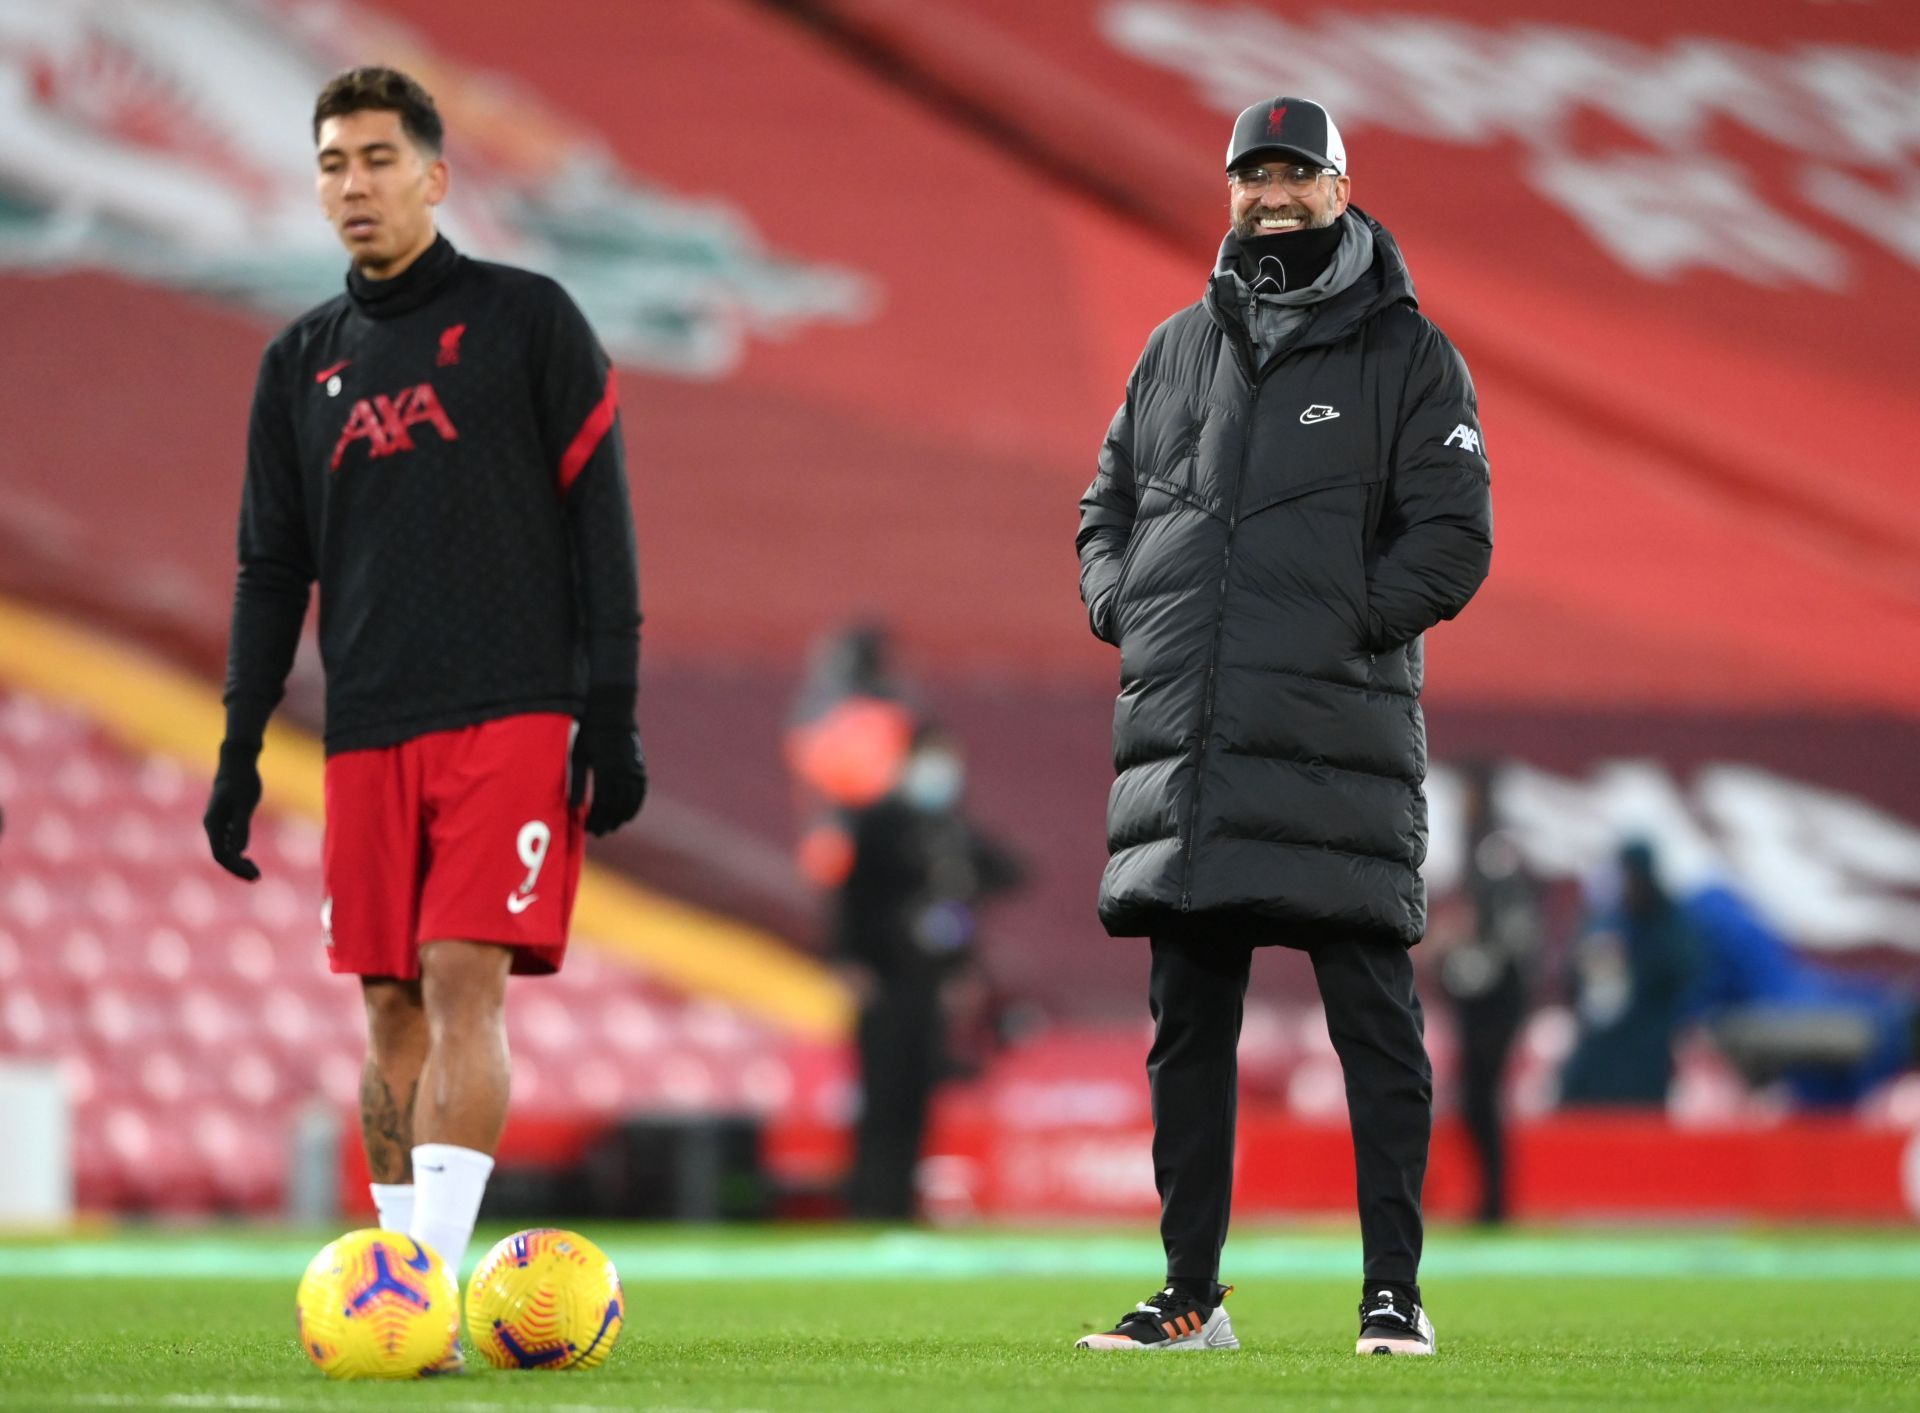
[(875, 273)]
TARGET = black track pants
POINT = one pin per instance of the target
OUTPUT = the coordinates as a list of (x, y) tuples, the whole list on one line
[(1196, 993)]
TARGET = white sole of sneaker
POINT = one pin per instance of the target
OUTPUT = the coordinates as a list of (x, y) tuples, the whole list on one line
[(1417, 1341), (1217, 1333), (1378, 1345)]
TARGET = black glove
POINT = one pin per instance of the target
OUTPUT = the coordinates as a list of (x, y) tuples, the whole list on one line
[(229, 816), (608, 748)]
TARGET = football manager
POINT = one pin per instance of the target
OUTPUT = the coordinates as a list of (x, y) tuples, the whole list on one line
[(1294, 490)]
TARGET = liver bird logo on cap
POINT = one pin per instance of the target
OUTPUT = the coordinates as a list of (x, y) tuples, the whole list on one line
[(1275, 118)]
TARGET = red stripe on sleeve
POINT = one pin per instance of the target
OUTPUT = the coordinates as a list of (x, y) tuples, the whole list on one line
[(587, 440)]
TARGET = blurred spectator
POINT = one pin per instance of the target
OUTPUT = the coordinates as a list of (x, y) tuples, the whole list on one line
[(1486, 959), (1829, 1038), (904, 928), (1631, 974), (850, 663), (846, 743)]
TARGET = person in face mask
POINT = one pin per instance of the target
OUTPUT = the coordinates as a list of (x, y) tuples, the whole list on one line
[(905, 922)]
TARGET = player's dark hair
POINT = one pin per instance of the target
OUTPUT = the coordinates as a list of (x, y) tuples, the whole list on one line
[(384, 90)]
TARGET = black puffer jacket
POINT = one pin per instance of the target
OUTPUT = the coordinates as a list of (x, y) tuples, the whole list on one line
[(1266, 547)]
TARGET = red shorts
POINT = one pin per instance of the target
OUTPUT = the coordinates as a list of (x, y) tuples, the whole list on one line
[(461, 834)]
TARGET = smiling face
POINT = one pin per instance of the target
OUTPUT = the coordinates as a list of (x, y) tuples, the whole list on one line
[(378, 190), (1275, 193)]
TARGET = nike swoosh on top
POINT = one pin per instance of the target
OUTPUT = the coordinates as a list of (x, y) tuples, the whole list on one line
[(518, 903), (326, 373)]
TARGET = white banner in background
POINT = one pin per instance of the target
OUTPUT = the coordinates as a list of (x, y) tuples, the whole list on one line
[(1828, 869), (1663, 206), (168, 140)]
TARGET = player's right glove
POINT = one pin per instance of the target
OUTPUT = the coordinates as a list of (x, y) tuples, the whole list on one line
[(608, 749), (229, 816)]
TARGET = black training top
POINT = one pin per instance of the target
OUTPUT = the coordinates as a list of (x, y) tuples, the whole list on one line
[(441, 451)]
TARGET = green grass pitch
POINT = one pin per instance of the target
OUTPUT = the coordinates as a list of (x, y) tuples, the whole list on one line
[(831, 1319)]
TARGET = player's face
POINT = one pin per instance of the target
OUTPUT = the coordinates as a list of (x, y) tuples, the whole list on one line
[(1275, 206), (378, 190)]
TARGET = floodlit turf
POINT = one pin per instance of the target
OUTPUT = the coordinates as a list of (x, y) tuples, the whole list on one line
[(985, 1321)]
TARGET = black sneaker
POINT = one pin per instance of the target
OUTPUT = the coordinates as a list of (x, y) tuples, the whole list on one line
[(1168, 1320), (1393, 1324)]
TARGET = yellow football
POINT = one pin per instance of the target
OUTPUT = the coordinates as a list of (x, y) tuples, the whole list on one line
[(377, 1305), (545, 1299)]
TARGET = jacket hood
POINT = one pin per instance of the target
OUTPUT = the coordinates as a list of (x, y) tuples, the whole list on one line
[(1384, 283)]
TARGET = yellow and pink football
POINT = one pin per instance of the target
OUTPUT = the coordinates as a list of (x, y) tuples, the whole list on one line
[(545, 1299), (377, 1305)]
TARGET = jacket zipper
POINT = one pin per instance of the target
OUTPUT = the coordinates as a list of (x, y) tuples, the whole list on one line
[(1254, 379)]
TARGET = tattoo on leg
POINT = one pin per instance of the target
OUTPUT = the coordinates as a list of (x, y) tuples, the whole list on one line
[(386, 1127)]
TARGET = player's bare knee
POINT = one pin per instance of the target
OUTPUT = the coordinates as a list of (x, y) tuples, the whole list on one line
[(464, 984), (396, 1017)]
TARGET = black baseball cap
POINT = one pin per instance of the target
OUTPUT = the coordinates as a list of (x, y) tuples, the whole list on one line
[(1297, 125)]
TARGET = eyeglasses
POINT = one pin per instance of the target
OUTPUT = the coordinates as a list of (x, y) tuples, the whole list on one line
[(1295, 179)]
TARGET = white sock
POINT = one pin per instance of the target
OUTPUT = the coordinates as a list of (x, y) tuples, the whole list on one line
[(394, 1202), (448, 1183)]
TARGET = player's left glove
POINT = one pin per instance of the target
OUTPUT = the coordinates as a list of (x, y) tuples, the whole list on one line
[(608, 750), (229, 816)]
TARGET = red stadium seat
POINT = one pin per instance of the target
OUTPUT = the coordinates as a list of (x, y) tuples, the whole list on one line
[(765, 1084), (35, 1021), (166, 954), (252, 1078), (597, 1085), (16, 961), (631, 1025), (685, 1081), (336, 1075), (148, 1163), (244, 1158), (113, 1016), (540, 1020)]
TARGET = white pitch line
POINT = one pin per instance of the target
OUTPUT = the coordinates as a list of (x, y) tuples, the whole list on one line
[(175, 1400)]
